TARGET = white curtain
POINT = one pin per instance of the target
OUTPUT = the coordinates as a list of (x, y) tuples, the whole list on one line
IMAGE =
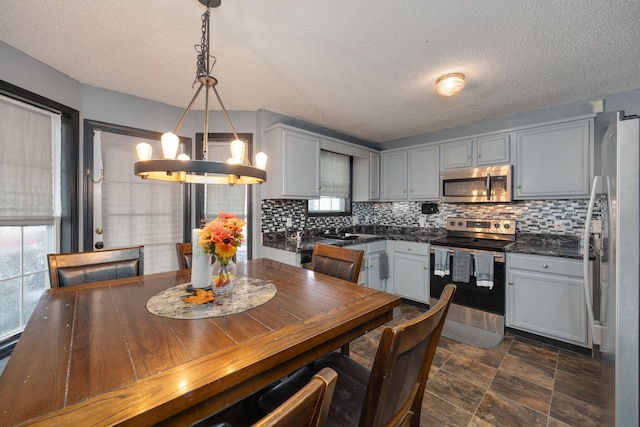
[(334, 175), (136, 211), (29, 143)]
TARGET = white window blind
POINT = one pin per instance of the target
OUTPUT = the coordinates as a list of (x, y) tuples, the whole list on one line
[(334, 175), (137, 211), (224, 198), (30, 182)]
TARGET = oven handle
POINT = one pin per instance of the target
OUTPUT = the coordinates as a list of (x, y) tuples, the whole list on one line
[(488, 186), (497, 256)]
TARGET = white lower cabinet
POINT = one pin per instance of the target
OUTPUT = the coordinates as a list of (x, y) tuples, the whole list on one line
[(370, 271), (545, 296), (287, 257), (410, 270)]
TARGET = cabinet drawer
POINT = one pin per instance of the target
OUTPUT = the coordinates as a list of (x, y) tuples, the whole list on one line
[(544, 264), (411, 248), (377, 246)]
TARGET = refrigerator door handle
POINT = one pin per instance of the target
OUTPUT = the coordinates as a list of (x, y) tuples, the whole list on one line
[(595, 329)]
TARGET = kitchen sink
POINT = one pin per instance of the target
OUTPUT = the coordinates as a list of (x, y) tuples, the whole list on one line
[(340, 236)]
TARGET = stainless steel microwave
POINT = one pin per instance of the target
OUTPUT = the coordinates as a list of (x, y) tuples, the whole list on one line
[(477, 185)]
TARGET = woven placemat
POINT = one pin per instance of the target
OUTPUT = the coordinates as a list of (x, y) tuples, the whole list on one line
[(246, 294)]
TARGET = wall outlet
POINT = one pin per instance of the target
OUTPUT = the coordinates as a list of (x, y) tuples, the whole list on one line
[(558, 225), (289, 222), (596, 226), (355, 220), (598, 106)]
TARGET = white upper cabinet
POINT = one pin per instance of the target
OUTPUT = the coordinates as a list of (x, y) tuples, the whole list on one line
[(411, 174), (554, 161), (424, 173), (293, 169), (366, 178), (477, 152), (394, 175)]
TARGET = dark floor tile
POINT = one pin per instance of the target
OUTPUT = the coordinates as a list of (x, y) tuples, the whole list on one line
[(500, 411), (529, 394), (455, 390), (573, 411), (557, 423), (535, 353), (438, 412), (487, 356), (471, 370), (527, 370), (578, 388), (580, 365)]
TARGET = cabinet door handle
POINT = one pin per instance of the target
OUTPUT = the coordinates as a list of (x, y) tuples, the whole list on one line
[(478, 155), (469, 156), (511, 282), (545, 266), (518, 186)]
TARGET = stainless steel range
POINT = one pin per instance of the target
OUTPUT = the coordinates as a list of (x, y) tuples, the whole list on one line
[(472, 255)]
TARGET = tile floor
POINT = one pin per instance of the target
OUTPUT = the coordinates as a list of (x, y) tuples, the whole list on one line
[(519, 383)]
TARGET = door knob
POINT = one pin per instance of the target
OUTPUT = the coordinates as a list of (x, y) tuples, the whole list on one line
[(99, 230), (99, 245)]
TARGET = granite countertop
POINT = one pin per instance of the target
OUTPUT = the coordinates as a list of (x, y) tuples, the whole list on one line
[(526, 243), (547, 245), (365, 235)]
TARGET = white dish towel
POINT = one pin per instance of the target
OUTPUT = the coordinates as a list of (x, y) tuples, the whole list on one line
[(484, 270), (441, 267)]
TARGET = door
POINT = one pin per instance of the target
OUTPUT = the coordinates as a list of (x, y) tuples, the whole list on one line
[(123, 210)]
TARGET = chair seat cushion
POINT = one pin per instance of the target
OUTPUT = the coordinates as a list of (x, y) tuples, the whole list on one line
[(350, 391)]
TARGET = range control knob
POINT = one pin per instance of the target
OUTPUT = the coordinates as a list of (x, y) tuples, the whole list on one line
[(459, 223), (452, 223), (507, 226), (496, 225)]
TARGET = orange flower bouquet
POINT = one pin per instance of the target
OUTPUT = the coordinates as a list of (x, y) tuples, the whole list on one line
[(221, 238)]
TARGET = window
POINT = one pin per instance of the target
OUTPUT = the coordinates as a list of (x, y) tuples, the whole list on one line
[(215, 198), (30, 208), (335, 185)]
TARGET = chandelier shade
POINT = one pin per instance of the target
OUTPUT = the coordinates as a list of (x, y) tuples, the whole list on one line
[(237, 169)]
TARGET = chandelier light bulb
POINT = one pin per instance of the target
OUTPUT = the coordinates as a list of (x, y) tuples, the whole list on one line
[(233, 161), (450, 84), (170, 143), (183, 156), (144, 151), (237, 151), (261, 160)]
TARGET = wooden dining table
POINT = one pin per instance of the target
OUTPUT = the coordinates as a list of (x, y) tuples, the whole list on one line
[(93, 354)]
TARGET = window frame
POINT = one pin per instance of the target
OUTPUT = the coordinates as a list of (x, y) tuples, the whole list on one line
[(68, 238), (348, 205)]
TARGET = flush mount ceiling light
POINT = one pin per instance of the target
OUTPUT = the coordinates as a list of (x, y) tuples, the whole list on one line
[(450, 84), (237, 170)]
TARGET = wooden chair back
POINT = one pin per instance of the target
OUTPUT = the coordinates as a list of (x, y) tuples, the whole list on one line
[(185, 255), (308, 407), (401, 368), (88, 267), (337, 261), (390, 394)]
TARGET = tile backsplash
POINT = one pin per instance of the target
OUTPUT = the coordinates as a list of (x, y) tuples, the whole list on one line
[(533, 216)]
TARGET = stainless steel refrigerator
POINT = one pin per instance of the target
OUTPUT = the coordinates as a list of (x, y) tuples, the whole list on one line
[(613, 299)]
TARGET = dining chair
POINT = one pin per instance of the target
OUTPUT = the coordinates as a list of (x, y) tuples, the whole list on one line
[(185, 255), (338, 262), (391, 393), (87, 267), (307, 407)]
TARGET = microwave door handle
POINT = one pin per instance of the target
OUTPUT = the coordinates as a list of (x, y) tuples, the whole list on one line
[(488, 186)]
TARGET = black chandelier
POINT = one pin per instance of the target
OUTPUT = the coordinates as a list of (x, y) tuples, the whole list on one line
[(237, 169)]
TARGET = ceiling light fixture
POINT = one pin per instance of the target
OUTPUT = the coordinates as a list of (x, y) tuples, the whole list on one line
[(237, 170), (450, 84)]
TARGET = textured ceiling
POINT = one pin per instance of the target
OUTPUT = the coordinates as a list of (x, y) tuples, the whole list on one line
[(366, 68)]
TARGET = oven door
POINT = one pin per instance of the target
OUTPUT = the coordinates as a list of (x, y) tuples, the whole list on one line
[(469, 294)]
